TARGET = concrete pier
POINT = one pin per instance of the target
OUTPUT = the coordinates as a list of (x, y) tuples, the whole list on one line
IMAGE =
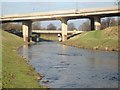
[(64, 29), (97, 23), (92, 24), (27, 30)]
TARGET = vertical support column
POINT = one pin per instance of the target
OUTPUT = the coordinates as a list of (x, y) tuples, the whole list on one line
[(64, 29), (92, 24), (27, 30), (97, 23)]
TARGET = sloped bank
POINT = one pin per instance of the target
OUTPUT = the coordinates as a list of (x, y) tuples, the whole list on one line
[(16, 73), (106, 39)]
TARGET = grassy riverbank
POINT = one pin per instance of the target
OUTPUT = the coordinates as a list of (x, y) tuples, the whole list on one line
[(16, 73), (106, 39)]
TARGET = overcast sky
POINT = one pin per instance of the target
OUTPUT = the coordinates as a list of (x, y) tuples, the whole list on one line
[(34, 6)]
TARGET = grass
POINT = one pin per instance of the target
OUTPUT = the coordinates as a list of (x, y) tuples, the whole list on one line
[(16, 73), (106, 39)]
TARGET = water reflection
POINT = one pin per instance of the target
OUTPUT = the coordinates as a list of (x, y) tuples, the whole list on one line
[(69, 67), (25, 52), (64, 58)]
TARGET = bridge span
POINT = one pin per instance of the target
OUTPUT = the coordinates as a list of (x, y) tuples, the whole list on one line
[(55, 31), (94, 14)]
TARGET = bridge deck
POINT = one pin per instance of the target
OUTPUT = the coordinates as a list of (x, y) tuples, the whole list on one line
[(63, 13)]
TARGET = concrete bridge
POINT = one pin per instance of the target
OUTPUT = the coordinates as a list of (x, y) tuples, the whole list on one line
[(94, 14), (55, 31)]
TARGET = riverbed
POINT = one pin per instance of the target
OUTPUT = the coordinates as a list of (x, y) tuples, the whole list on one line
[(68, 67)]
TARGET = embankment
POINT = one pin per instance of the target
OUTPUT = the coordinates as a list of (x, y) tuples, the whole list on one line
[(16, 73), (106, 39)]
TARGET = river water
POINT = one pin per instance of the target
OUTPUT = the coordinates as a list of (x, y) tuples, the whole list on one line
[(69, 67)]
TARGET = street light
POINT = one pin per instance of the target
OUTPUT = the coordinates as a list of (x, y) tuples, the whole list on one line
[(76, 5)]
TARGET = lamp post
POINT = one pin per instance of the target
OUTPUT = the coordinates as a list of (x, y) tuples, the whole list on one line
[(76, 5)]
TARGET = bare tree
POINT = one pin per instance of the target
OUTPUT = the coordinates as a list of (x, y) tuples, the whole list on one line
[(59, 29), (85, 26), (117, 2), (51, 26), (71, 26), (36, 26), (110, 21), (12, 26), (105, 22)]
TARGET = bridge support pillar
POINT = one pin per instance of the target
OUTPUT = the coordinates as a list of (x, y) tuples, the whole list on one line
[(97, 23), (27, 30), (92, 23), (64, 29)]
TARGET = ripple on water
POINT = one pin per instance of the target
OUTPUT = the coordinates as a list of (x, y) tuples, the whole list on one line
[(72, 54), (69, 67)]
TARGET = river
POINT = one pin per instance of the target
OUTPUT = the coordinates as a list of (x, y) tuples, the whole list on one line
[(68, 67)]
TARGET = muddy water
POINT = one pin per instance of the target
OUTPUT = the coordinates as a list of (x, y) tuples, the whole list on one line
[(69, 67)]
